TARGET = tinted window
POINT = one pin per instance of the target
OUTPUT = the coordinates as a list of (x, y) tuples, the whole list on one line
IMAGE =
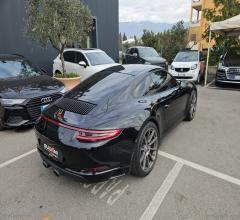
[(162, 81), (101, 85), (17, 68), (69, 56), (143, 88), (130, 51), (187, 56), (99, 58), (80, 57), (169, 83)]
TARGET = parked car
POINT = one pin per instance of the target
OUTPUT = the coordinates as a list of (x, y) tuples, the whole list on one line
[(24, 91), (86, 62), (111, 123), (144, 55), (188, 65), (229, 68)]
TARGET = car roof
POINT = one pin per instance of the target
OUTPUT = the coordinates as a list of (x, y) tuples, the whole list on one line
[(11, 57), (84, 50), (138, 69), (140, 47)]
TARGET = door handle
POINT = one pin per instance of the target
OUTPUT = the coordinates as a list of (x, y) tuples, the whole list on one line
[(166, 106), (142, 101)]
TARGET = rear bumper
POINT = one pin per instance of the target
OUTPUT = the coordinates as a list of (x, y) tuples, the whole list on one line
[(83, 177), (89, 162)]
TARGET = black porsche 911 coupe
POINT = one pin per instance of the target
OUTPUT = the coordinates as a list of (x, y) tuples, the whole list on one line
[(24, 91), (111, 124)]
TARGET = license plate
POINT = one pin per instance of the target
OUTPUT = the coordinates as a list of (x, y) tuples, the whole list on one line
[(237, 77), (43, 107), (52, 152), (182, 74)]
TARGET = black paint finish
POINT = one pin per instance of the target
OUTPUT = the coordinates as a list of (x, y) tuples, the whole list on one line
[(117, 105)]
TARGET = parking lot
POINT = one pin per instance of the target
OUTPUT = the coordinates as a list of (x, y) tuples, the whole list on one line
[(197, 174)]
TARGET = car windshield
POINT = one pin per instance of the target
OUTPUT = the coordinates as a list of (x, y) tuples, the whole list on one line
[(99, 58), (147, 52), (188, 56), (17, 68), (232, 57)]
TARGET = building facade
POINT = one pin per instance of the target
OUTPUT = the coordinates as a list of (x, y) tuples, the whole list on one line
[(13, 39), (198, 23)]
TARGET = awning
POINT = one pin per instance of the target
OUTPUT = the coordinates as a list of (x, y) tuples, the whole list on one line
[(229, 27)]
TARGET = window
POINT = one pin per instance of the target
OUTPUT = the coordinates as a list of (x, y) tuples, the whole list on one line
[(148, 52), (80, 57), (158, 81), (193, 37), (69, 56), (162, 81), (143, 87), (99, 58), (17, 68), (187, 56), (131, 51)]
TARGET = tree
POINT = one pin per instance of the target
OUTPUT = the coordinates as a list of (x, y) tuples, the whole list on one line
[(124, 37), (169, 42), (223, 10), (58, 22)]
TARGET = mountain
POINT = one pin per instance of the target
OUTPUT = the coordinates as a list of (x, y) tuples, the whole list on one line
[(136, 28)]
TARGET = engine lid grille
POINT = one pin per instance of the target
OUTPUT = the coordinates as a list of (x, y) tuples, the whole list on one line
[(75, 106)]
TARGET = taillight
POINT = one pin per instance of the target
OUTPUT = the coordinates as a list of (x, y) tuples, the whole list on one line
[(88, 135), (95, 136)]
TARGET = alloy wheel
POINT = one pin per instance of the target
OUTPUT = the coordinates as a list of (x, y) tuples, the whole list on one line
[(193, 106), (148, 149)]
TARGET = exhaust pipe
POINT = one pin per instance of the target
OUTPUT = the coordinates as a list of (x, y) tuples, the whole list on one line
[(45, 164), (56, 172)]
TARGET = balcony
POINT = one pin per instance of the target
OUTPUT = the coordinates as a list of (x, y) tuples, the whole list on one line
[(197, 4)]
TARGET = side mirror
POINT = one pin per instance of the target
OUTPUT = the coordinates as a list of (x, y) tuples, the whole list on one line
[(135, 55), (83, 64)]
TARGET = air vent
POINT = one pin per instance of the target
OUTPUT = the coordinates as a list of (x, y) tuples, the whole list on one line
[(76, 106)]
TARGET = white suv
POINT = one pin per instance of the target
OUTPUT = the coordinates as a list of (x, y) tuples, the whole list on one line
[(85, 62), (188, 65)]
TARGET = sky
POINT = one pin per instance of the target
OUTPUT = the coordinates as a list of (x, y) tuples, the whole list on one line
[(167, 11)]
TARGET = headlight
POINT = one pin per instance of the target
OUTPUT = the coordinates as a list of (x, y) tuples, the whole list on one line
[(64, 90), (147, 63), (221, 67), (172, 67), (10, 102), (193, 67)]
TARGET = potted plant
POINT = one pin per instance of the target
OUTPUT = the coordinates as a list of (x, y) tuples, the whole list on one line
[(59, 23)]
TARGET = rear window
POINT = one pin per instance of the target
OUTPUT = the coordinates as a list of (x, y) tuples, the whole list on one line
[(101, 85)]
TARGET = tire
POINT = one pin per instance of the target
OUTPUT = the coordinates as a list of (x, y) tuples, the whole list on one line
[(1, 125), (192, 105), (145, 155)]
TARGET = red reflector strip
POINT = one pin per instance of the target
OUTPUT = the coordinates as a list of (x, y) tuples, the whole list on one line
[(88, 135)]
